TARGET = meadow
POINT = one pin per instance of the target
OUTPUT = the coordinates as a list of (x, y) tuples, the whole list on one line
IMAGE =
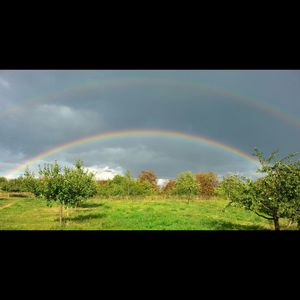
[(148, 213)]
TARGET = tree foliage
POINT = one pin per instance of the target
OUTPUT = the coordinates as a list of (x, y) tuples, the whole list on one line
[(14, 185), (148, 175), (273, 196), (186, 185), (64, 185), (3, 181), (125, 186), (208, 182)]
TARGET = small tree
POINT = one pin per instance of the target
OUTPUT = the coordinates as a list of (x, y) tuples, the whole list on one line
[(186, 185), (3, 181), (32, 183), (66, 186)]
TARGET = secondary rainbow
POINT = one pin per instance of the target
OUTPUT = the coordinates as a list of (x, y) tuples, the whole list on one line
[(131, 133), (128, 82)]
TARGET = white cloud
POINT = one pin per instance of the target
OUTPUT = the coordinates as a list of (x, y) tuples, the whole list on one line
[(162, 182), (105, 173)]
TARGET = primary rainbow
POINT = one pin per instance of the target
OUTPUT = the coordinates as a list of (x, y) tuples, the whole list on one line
[(132, 133)]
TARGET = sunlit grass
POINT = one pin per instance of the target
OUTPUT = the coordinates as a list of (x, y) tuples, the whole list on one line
[(130, 214)]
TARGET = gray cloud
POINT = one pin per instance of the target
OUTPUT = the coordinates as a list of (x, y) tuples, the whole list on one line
[(38, 123)]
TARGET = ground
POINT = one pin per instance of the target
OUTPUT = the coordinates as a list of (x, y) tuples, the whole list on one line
[(18, 213)]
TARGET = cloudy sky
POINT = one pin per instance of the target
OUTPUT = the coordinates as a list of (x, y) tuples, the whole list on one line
[(242, 109)]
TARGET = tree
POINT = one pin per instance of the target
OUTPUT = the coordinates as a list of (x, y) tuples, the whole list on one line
[(149, 176), (208, 183), (186, 185), (32, 183), (14, 185), (237, 190), (66, 186), (3, 182), (275, 195)]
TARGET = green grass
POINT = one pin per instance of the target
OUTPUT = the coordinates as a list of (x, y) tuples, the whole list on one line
[(129, 214)]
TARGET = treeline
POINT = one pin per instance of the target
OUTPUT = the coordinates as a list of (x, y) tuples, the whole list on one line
[(186, 184), (12, 185)]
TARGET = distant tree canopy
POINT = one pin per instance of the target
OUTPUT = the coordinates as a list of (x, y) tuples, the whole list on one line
[(149, 176), (3, 181), (186, 185), (125, 186), (13, 185), (208, 182)]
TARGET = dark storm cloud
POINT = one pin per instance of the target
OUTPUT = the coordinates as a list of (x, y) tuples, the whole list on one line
[(68, 116)]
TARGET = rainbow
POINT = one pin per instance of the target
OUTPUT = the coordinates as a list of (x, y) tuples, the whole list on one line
[(116, 83), (132, 133)]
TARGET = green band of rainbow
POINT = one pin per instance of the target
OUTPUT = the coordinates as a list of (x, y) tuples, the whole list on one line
[(132, 133)]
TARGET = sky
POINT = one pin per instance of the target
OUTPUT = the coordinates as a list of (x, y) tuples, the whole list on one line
[(241, 109)]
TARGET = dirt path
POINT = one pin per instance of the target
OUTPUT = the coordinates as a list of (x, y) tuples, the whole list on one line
[(8, 205)]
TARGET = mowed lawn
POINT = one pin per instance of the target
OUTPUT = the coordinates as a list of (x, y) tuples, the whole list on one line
[(129, 214)]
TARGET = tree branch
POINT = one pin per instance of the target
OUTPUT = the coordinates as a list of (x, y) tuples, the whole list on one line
[(268, 218)]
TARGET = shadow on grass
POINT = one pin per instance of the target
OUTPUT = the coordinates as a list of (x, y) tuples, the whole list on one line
[(224, 225), (87, 217), (91, 205)]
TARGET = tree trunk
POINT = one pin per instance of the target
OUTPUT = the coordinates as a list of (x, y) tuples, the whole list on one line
[(276, 223), (61, 214)]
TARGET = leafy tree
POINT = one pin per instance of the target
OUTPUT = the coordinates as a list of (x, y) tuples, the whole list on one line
[(186, 185), (275, 195), (32, 183), (236, 189), (66, 186), (149, 176), (3, 182), (208, 183)]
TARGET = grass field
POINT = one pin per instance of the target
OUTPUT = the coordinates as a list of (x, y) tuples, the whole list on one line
[(129, 214)]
